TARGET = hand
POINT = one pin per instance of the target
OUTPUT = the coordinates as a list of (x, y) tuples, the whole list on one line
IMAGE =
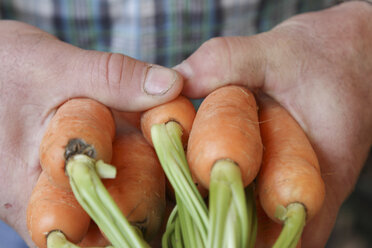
[(319, 67), (37, 74)]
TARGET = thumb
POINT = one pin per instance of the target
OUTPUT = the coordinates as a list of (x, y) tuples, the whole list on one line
[(116, 80), (221, 61)]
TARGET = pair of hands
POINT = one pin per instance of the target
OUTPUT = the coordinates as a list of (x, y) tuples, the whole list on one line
[(317, 65)]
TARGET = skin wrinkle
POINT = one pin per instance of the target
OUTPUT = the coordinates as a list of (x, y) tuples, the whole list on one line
[(227, 48), (114, 72)]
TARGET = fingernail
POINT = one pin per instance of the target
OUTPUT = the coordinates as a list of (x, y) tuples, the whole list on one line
[(158, 80)]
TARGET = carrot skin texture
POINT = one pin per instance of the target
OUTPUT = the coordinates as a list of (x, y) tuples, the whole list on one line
[(83, 119), (139, 187), (180, 110), (52, 208), (290, 171), (226, 127)]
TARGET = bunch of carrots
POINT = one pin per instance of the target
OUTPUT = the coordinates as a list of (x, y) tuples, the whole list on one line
[(232, 174)]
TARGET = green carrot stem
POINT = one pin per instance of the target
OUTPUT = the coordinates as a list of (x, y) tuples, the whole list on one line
[(190, 235), (294, 218), (227, 199), (170, 227), (97, 202), (105, 170), (169, 148), (231, 235), (56, 239), (178, 239)]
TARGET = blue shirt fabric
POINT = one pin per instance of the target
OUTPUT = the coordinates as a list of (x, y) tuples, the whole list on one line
[(156, 31)]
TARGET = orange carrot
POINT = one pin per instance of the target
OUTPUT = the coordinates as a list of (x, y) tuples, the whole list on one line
[(179, 110), (77, 143), (80, 126), (224, 154), (51, 208), (226, 127), (167, 128), (139, 186), (290, 175)]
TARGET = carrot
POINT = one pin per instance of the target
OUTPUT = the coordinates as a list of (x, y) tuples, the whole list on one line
[(224, 154), (226, 127), (179, 110), (78, 141), (139, 187), (80, 126), (167, 127), (290, 186), (51, 208)]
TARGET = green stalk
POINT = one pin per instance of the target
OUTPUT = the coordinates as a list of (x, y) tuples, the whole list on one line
[(226, 200), (56, 239), (169, 231), (294, 218), (169, 148), (178, 241), (219, 203), (190, 235), (231, 235), (97, 202)]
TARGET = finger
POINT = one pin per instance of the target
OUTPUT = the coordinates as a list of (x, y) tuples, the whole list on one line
[(114, 79), (224, 60)]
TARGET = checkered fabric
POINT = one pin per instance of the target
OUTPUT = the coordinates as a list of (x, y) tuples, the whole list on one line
[(157, 31)]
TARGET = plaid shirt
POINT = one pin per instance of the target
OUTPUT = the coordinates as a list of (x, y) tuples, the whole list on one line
[(157, 31)]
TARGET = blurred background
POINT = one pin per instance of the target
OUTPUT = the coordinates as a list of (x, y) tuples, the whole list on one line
[(352, 229), (353, 226)]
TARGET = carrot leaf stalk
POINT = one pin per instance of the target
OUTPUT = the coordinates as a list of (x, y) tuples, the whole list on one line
[(229, 223), (169, 231), (56, 239), (168, 145), (294, 218), (105, 170), (97, 202), (190, 236)]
